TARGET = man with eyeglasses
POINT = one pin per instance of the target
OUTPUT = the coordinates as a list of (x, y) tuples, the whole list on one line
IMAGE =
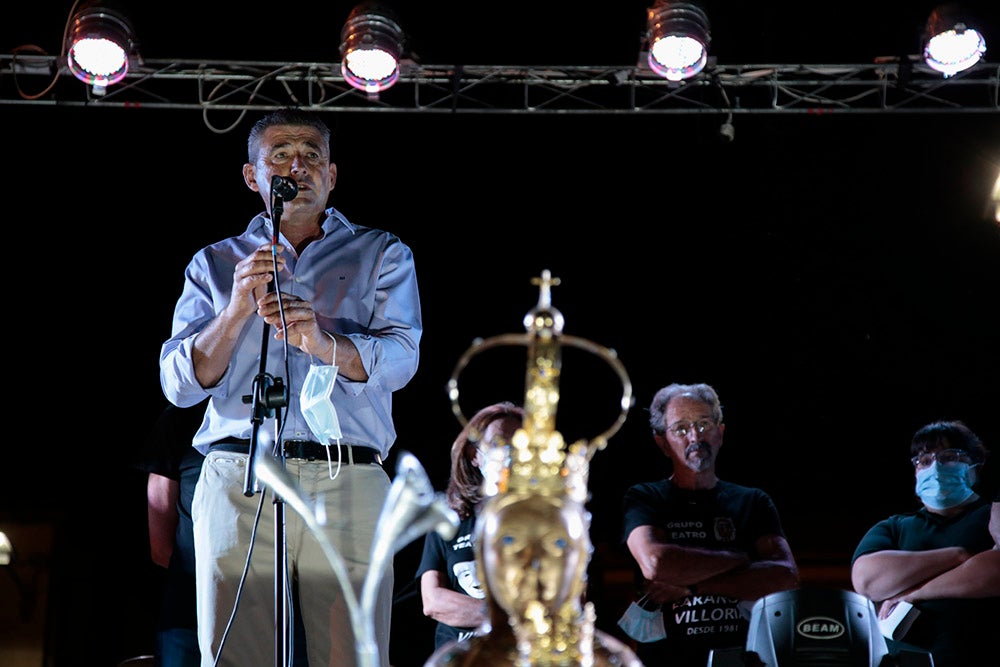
[(943, 558), (706, 548)]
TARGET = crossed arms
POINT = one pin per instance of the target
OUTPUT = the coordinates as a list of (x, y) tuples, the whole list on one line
[(673, 571), (892, 575)]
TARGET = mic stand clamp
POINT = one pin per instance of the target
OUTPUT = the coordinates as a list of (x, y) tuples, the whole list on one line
[(269, 393)]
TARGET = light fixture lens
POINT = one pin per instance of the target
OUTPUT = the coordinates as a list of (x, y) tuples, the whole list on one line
[(370, 70), (98, 45), (675, 57), (98, 61), (954, 50), (677, 34)]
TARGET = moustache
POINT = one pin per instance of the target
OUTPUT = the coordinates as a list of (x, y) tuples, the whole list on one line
[(696, 447)]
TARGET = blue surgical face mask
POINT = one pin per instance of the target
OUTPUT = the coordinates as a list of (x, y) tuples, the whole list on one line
[(317, 403), (641, 624), (942, 487)]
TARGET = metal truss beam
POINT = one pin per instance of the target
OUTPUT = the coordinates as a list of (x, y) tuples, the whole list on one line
[(882, 88)]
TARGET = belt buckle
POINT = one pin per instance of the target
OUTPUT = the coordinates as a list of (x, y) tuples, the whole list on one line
[(295, 449)]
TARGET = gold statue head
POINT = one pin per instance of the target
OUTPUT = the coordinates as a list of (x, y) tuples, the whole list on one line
[(533, 531), (534, 550)]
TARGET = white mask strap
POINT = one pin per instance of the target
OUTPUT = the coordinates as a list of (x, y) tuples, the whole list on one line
[(340, 453), (329, 462)]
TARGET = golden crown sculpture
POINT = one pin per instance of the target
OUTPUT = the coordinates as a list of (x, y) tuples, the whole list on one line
[(532, 533)]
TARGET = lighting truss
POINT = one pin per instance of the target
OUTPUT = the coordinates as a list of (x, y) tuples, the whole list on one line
[(894, 87)]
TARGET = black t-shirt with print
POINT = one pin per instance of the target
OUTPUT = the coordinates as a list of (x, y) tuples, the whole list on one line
[(728, 517), (456, 558)]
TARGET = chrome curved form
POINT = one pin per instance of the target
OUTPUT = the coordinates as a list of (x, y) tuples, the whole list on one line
[(411, 509)]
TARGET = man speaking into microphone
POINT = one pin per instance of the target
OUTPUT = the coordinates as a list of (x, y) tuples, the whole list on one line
[(284, 187), (327, 314)]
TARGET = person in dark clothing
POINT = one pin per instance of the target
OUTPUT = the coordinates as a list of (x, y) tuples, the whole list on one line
[(706, 548), (944, 558), (173, 467), (450, 586)]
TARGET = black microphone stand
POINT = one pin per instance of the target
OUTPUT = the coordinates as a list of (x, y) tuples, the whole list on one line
[(267, 394)]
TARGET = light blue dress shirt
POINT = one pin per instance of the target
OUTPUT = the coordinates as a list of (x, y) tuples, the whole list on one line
[(362, 284)]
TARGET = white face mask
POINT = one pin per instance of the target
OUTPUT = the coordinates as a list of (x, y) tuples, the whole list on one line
[(316, 399), (643, 625)]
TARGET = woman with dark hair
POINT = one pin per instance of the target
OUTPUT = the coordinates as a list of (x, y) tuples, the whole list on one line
[(450, 586), (942, 558)]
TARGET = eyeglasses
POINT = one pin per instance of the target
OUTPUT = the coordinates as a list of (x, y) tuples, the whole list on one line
[(681, 429), (945, 457)]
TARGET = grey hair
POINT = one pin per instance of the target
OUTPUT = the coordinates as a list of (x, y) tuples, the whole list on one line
[(285, 116), (700, 392)]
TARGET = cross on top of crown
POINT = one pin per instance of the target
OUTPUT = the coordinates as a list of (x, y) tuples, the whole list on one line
[(545, 284)]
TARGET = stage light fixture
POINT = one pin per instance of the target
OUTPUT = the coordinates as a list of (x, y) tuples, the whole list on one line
[(677, 37), (99, 42), (951, 42), (6, 549), (370, 47), (993, 206)]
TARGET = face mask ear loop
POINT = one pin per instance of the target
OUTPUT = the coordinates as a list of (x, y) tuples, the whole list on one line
[(333, 359), (329, 461), (340, 454)]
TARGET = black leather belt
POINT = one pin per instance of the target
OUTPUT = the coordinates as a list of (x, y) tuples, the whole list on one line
[(307, 450)]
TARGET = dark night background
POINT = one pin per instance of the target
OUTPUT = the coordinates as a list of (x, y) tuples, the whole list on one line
[(835, 277)]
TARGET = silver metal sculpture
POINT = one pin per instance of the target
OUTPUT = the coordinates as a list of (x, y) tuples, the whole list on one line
[(411, 509)]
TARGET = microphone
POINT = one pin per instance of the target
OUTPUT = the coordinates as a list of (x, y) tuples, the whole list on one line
[(284, 187)]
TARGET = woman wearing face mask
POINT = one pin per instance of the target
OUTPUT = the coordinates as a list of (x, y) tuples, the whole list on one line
[(942, 558), (451, 589)]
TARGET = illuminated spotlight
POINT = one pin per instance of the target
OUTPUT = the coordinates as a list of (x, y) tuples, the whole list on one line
[(98, 44), (951, 44), (6, 549), (994, 205), (677, 34), (370, 48)]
